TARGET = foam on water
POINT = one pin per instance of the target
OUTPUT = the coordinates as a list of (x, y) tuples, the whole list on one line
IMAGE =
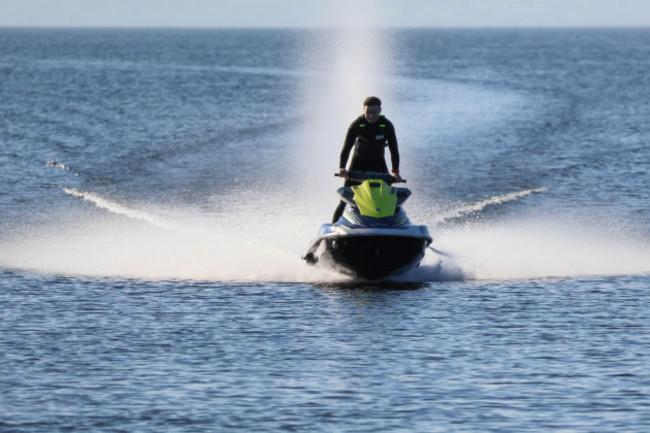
[(536, 248), (141, 241), (145, 242)]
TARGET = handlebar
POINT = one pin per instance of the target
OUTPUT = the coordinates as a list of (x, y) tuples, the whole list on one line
[(360, 176)]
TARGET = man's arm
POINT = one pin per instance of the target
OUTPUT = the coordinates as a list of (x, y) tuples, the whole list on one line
[(392, 146), (347, 145)]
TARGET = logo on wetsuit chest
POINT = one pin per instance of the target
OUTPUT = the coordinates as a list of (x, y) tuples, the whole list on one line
[(379, 137)]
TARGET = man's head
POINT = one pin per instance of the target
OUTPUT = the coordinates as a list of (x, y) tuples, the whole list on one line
[(372, 108)]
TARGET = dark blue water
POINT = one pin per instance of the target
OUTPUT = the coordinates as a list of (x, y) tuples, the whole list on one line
[(159, 187)]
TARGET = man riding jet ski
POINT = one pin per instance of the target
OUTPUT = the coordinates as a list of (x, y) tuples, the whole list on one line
[(373, 238)]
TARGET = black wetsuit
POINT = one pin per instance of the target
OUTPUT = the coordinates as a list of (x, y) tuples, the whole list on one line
[(369, 141)]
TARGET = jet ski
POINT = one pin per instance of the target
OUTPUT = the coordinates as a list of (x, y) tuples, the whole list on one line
[(374, 238)]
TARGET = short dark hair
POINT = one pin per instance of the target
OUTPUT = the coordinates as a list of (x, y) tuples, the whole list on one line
[(372, 100)]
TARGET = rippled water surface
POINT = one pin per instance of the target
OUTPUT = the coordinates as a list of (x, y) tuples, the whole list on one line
[(160, 186), (472, 356)]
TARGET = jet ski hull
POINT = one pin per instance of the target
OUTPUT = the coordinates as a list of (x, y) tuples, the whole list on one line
[(370, 254)]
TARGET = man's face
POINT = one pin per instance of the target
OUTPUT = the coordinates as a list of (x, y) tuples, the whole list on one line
[(371, 113)]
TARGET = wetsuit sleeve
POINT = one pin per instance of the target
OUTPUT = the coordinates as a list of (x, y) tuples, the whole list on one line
[(350, 137), (392, 146)]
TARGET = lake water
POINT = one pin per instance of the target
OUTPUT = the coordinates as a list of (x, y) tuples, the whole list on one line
[(160, 186)]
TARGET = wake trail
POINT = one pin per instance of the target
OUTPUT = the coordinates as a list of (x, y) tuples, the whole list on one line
[(522, 247), (187, 244), (190, 244), (120, 209), (437, 216)]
